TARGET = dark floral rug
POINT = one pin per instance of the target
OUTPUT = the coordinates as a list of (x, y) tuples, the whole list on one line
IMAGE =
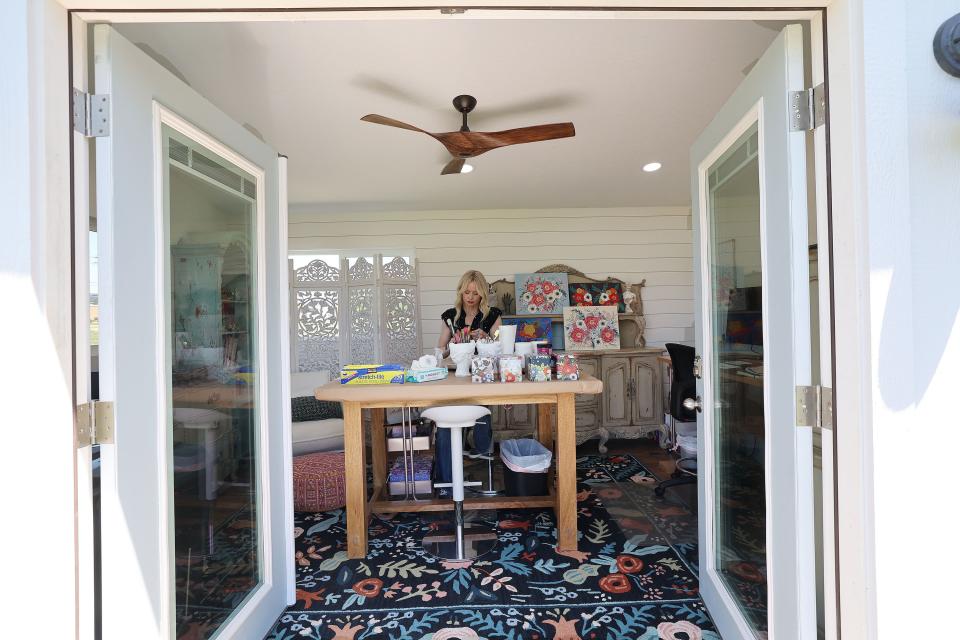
[(600, 469), (624, 582)]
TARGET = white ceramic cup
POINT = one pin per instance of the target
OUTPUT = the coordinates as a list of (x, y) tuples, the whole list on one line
[(525, 349), (491, 349), (508, 335)]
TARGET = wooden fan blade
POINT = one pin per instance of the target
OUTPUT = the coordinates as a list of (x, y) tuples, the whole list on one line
[(454, 166), (467, 144), (390, 122)]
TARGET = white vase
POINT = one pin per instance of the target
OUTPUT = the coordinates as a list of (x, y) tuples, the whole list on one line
[(461, 353), (508, 335)]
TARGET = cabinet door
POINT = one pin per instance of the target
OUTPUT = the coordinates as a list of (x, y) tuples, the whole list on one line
[(616, 398), (591, 366), (646, 391), (522, 417), (498, 421)]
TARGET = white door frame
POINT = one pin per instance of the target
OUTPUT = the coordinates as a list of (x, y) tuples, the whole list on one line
[(35, 249)]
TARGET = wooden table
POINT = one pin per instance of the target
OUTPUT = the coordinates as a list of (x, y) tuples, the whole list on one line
[(561, 437)]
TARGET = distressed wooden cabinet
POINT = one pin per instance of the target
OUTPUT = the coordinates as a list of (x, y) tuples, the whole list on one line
[(630, 406), (515, 421)]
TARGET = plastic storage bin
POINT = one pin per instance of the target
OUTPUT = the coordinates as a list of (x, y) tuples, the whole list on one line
[(525, 466)]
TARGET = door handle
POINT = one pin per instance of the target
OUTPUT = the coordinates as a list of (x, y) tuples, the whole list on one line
[(693, 404)]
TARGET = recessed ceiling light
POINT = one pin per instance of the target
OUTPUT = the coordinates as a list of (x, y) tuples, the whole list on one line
[(651, 166), (467, 168)]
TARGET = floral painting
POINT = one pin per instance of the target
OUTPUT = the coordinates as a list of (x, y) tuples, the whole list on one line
[(541, 293), (532, 329), (590, 328), (597, 294)]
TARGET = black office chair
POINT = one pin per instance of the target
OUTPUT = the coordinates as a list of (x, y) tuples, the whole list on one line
[(683, 386)]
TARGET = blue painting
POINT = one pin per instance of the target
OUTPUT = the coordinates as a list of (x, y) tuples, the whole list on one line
[(532, 329)]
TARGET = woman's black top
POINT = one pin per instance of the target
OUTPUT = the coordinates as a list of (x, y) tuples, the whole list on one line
[(460, 321)]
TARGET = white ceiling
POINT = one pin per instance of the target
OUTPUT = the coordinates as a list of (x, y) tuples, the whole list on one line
[(636, 90)]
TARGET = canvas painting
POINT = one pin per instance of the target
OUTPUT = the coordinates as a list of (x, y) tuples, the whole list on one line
[(540, 294), (597, 294), (591, 328), (532, 329)]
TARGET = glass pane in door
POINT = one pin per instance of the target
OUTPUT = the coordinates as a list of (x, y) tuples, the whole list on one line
[(214, 412), (739, 535)]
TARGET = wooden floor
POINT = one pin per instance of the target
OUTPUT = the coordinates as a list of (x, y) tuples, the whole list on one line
[(649, 453)]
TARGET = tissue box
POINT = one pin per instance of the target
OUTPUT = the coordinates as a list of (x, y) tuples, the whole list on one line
[(567, 367), (372, 374), (426, 375), (538, 368), (483, 369), (511, 368)]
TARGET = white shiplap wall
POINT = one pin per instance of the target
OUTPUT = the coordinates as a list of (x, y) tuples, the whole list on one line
[(631, 243)]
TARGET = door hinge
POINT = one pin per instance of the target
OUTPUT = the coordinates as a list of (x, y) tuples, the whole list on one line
[(808, 108), (815, 407), (91, 114), (94, 423)]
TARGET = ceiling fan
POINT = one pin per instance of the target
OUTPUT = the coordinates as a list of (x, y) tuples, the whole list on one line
[(465, 144)]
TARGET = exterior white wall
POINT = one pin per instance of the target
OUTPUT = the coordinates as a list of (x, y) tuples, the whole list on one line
[(36, 379), (913, 187), (652, 243)]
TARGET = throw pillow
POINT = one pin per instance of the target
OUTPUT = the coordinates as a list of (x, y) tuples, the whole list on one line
[(306, 408)]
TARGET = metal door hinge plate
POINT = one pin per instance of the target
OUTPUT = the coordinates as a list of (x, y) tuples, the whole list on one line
[(95, 423), (808, 108), (91, 114), (815, 407)]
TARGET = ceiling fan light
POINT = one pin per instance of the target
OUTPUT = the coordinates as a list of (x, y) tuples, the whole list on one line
[(466, 168), (650, 167)]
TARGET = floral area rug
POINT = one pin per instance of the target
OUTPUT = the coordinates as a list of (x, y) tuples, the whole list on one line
[(600, 469), (624, 582)]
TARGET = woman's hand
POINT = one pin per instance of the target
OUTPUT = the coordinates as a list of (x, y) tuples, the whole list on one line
[(477, 334)]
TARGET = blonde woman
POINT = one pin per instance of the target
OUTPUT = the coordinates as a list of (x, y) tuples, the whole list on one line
[(472, 311)]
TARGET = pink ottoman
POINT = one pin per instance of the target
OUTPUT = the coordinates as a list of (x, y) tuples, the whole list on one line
[(318, 482)]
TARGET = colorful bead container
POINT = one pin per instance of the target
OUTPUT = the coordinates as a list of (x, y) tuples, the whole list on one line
[(567, 367), (483, 369), (511, 368), (538, 368)]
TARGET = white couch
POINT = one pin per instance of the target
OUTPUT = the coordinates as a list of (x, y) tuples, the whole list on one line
[(314, 435)]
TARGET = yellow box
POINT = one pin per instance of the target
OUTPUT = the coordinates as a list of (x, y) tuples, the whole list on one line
[(373, 374)]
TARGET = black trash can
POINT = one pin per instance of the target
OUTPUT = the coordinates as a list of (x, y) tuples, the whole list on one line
[(525, 466)]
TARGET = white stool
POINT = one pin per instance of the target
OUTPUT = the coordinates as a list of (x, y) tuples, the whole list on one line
[(207, 421), (467, 540)]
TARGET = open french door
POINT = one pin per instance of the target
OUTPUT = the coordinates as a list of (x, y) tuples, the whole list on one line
[(196, 506), (750, 215)]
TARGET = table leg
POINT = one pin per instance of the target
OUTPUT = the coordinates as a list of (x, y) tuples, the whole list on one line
[(356, 480), (378, 447), (566, 473)]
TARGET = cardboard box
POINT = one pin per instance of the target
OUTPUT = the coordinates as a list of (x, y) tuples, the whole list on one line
[(373, 374), (427, 375)]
